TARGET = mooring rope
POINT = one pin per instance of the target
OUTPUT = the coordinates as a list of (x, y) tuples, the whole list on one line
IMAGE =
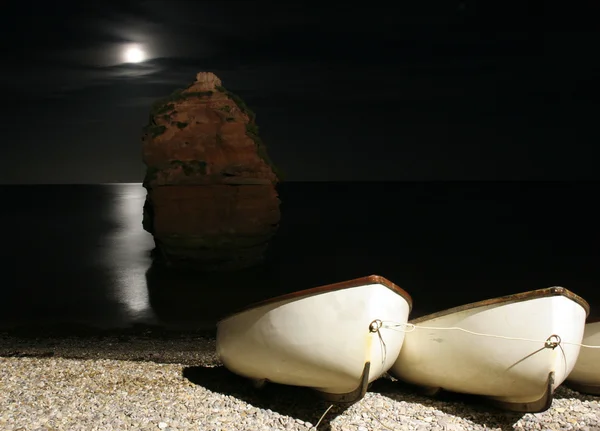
[(551, 342), (371, 412), (315, 427), (375, 326)]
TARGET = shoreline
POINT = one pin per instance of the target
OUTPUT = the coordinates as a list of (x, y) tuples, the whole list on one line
[(164, 347), (152, 383)]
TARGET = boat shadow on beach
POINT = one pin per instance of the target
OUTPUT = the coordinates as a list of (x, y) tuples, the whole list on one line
[(303, 404), (467, 407), (470, 407), (306, 405)]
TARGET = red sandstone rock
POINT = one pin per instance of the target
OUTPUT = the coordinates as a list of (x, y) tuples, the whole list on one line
[(211, 200)]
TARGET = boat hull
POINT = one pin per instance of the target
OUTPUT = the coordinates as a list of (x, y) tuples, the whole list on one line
[(325, 340), (585, 376), (509, 369)]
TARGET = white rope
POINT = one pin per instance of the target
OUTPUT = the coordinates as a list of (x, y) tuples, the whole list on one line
[(409, 327), (315, 427)]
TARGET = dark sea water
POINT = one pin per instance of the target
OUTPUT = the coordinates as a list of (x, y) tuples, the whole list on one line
[(76, 256)]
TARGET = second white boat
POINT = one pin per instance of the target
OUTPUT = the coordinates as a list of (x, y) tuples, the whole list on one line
[(585, 377), (514, 350)]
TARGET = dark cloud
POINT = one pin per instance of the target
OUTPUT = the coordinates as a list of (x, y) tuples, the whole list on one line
[(52, 25)]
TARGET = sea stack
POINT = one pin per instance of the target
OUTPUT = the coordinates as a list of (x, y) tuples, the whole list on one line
[(211, 200)]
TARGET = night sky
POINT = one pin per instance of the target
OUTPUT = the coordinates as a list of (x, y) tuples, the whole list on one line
[(422, 91)]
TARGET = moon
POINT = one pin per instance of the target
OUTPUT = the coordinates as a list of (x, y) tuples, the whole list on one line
[(134, 55)]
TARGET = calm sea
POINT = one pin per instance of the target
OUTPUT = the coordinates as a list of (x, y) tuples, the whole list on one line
[(76, 256)]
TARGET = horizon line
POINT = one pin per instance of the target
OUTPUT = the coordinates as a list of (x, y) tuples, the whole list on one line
[(326, 181)]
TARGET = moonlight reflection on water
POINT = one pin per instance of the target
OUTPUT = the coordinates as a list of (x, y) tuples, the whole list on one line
[(129, 255)]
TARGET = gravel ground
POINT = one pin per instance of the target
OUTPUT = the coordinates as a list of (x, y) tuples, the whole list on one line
[(149, 383)]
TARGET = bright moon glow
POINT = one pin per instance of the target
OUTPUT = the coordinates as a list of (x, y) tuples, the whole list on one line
[(134, 55)]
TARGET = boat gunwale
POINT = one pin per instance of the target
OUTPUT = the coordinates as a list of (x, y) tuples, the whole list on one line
[(509, 299), (347, 284)]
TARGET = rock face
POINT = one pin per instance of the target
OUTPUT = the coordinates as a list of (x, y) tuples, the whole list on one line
[(211, 198)]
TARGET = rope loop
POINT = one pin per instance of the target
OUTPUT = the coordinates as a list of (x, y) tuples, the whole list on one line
[(552, 342), (375, 325)]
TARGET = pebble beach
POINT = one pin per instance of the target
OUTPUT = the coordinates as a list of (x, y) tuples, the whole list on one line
[(177, 383)]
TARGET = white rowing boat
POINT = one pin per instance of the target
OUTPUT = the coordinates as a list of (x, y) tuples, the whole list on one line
[(513, 350), (329, 338), (585, 377)]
